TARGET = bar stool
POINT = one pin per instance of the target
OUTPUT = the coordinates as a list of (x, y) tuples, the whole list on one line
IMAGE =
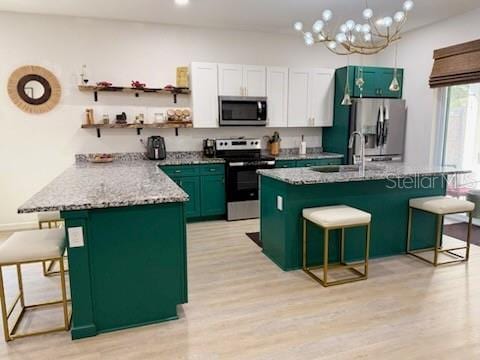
[(338, 217), (440, 206), (50, 220), (27, 247)]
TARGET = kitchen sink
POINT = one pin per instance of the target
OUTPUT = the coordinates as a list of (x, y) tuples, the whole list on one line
[(345, 168)]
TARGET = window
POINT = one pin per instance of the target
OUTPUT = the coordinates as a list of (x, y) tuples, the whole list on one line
[(462, 128)]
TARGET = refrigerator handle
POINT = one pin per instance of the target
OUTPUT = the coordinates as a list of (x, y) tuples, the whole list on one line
[(379, 125)]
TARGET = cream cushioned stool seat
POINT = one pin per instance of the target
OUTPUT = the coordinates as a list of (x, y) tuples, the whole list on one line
[(442, 205), (25, 247), (336, 216), (33, 245), (439, 206)]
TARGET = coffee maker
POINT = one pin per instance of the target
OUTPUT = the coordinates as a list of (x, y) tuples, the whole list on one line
[(209, 149)]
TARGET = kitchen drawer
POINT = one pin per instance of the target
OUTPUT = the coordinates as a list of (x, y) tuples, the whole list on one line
[(285, 164), (329, 162), (318, 162), (214, 169), (181, 170)]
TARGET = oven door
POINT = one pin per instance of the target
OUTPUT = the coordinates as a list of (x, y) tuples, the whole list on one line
[(243, 111), (242, 182)]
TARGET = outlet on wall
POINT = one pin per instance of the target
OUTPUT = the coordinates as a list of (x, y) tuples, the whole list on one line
[(280, 203)]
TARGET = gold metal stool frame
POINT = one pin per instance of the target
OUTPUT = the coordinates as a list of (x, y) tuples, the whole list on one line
[(438, 239), (51, 224), (6, 313), (326, 232)]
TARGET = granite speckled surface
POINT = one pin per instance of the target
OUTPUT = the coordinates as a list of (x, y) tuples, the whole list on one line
[(304, 176), (94, 186), (173, 158)]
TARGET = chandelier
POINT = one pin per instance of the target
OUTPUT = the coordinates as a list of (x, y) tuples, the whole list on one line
[(367, 38)]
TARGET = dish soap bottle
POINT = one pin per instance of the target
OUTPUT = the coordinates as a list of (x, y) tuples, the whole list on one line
[(302, 150)]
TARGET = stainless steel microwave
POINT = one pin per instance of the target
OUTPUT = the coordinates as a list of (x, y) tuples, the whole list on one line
[(242, 111)]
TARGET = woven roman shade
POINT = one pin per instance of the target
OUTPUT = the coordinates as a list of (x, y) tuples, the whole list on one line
[(456, 65)]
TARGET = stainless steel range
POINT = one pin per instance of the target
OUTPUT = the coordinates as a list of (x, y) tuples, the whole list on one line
[(244, 158)]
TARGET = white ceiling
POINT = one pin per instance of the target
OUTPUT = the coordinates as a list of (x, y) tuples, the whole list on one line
[(261, 15)]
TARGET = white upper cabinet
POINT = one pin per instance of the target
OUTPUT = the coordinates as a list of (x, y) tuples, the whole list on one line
[(298, 98), (230, 80), (204, 78), (241, 80), (277, 95), (310, 101), (254, 80), (321, 100)]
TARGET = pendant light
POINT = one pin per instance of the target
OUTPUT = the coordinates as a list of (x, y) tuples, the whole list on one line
[(395, 85), (347, 100), (360, 81)]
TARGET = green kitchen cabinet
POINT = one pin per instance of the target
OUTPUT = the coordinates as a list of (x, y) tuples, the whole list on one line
[(205, 186), (377, 81), (212, 196), (191, 185), (285, 163)]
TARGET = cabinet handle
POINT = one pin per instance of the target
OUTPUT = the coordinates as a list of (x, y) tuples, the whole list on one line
[(180, 183), (212, 169), (178, 171)]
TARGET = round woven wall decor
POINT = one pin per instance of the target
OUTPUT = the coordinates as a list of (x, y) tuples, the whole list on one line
[(34, 89)]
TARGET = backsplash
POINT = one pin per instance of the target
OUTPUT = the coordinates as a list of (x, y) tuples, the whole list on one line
[(173, 155)]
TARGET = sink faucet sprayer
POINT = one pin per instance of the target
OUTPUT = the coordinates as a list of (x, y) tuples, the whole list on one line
[(361, 168)]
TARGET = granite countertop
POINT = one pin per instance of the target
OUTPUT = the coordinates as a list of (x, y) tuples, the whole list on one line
[(93, 186), (304, 176)]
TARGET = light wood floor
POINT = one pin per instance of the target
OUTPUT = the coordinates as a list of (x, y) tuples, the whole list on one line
[(243, 307)]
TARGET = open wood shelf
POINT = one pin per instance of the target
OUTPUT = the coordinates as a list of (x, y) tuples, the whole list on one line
[(167, 125), (172, 91)]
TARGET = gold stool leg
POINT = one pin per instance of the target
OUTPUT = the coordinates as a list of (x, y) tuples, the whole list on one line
[(6, 331), (469, 234), (20, 285), (304, 244), (367, 249), (409, 234), (438, 239), (325, 256)]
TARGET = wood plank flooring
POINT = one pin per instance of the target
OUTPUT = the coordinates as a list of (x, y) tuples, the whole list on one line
[(243, 307)]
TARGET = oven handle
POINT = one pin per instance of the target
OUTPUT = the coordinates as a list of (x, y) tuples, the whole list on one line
[(236, 164)]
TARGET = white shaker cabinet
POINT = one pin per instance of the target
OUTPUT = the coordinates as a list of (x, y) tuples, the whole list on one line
[(277, 96), (310, 101), (299, 88), (204, 78), (321, 99), (241, 80), (254, 80), (230, 80)]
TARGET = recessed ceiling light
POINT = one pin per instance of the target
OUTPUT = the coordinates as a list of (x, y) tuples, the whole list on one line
[(182, 2)]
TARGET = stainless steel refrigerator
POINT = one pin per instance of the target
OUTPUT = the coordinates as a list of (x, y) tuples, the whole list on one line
[(383, 122)]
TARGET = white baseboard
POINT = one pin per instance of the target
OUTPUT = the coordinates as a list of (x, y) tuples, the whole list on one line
[(19, 226)]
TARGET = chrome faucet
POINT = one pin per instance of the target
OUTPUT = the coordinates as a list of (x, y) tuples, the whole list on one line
[(361, 167)]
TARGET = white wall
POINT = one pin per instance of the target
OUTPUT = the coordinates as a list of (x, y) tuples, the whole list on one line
[(36, 148), (415, 53)]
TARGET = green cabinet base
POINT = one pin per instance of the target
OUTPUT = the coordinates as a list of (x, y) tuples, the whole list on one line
[(131, 269)]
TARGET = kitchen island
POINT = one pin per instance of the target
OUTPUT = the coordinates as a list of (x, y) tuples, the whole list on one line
[(382, 190), (126, 238)]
